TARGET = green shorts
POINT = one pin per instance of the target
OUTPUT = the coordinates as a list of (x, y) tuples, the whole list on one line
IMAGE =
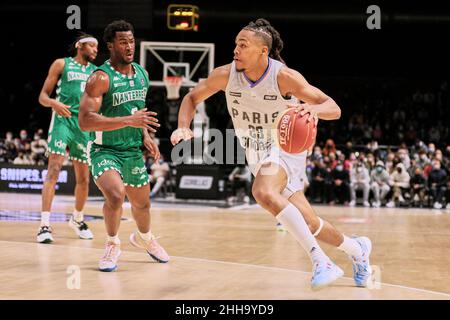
[(66, 133), (129, 164)]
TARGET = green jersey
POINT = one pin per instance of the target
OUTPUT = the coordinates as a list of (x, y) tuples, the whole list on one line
[(72, 82), (125, 96)]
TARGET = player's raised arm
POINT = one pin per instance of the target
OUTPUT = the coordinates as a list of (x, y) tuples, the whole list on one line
[(319, 105), (216, 81), (91, 101), (54, 73)]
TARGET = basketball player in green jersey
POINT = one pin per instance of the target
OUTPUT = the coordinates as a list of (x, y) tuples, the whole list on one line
[(69, 75), (113, 109)]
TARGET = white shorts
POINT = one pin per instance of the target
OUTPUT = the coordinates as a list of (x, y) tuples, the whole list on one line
[(293, 164)]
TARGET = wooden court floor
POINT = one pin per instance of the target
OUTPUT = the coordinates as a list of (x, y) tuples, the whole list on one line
[(222, 254)]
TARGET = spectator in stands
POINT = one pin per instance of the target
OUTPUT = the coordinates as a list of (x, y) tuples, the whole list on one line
[(370, 161), (359, 180), (390, 164), (379, 183), (437, 182), (319, 175), (10, 150), (38, 148), (22, 158), (418, 187), (24, 143), (330, 147), (317, 153), (340, 184), (403, 155), (423, 159), (241, 177), (399, 181), (159, 173)]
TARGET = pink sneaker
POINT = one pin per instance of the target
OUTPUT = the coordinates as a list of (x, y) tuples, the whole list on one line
[(108, 262), (152, 247)]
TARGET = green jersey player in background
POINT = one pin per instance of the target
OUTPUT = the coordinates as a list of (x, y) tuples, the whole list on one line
[(113, 109), (69, 76)]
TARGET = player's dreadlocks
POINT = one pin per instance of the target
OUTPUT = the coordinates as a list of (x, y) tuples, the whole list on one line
[(269, 35), (116, 26)]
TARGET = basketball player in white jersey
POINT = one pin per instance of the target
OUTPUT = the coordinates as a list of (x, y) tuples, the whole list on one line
[(258, 87)]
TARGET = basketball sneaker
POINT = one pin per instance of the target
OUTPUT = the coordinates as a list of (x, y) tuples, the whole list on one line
[(324, 273), (108, 262), (81, 229), (361, 267), (152, 247), (45, 235)]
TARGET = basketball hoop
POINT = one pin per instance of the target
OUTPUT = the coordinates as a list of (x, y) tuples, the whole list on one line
[(173, 85)]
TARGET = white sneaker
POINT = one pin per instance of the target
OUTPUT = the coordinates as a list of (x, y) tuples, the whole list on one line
[(390, 204), (108, 262), (366, 204), (44, 235), (352, 203), (247, 199), (447, 206), (81, 229), (437, 205), (376, 204)]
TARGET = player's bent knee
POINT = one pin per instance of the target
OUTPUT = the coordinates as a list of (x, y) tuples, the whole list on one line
[(115, 197)]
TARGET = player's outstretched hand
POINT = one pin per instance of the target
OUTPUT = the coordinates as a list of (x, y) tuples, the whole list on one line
[(143, 119), (181, 134), (61, 109)]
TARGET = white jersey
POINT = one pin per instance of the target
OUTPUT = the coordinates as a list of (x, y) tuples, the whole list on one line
[(253, 107)]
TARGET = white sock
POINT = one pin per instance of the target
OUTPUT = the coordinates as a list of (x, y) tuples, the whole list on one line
[(77, 215), (114, 239), (45, 218), (146, 236), (350, 247), (293, 221)]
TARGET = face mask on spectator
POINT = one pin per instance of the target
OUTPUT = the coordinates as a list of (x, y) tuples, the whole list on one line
[(423, 157), (379, 169), (436, 166), (358, 169), (36, 137), (431, 149), (23, 136), (339, 167)]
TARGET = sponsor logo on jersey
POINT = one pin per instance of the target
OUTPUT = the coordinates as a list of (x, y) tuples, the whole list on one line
[(127, 96), (116, 78), (142, 82), (270, 97), (120, 84), (72, 75), (131, 83), (137, 170), (235, 94), (106, 162), (60, 144)]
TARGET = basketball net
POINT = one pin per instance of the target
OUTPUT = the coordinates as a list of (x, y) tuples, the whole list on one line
[(173, 85)]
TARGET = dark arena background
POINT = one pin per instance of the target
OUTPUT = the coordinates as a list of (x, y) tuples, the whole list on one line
[(385, 63)]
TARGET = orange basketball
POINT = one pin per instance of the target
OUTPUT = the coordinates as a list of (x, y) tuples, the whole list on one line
[(295, 134)]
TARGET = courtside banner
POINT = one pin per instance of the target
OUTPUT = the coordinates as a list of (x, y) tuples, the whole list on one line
[(30, 179)]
